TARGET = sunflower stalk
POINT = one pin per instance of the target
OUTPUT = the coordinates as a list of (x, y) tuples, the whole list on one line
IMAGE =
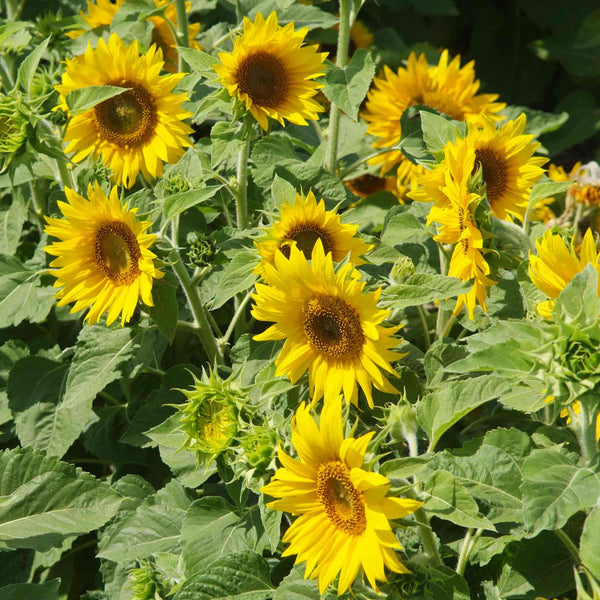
[(469, 542), (340, 61), (205, 333), (241, 193), (182, 26), (585, 430)]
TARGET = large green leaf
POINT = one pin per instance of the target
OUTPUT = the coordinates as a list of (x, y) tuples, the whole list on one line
[(62, 403), (347, 86), (238, 276), (31, 591), (155, 526), (241, 576), (81, 100), (590, 543), (554, 489), (44, 500)]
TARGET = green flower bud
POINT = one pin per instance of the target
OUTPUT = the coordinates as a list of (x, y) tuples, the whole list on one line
[(403, 421), (143, 582), (259, 448), (403, 268), (174, 184), (13, 128), (202, 249), (209, 418)]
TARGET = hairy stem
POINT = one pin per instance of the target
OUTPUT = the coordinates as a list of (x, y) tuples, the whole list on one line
[(334, 112), (182, 30), (241, 196)]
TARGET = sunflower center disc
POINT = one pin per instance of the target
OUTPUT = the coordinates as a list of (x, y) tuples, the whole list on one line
[(118, 253), (333, 327), (494, 173), (343, 504), (127, 119), (263, 78), (306, 237)]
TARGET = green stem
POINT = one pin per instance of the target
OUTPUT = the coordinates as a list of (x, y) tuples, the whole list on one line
[(110, 399), (585, 430), (241, 196), (340, 61), (468, 545), (238, 313), (425, 326), (427, 537), (65, 174), (204, 331), (578, 211), (568, 543), (182, 27)]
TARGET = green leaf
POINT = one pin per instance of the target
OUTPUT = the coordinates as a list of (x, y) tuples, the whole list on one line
[(211, 529), (538, 122), (199, 61), (62, 402), (590, 543), (306, 16), (236, 277), (178, 203), (445, 407), (226, 142), (403, 227), (282, 191), (295, 587), (11, 225), (241, 576), (554, 489), (490, 470), (165, 311), (29, 66), (29, 591), (402, 468), (21, 295), (578, 305), (347, 86), (155, 526), (422, 288), (84, 99), (437, 132), (545, 188), (266, 154), (44, 500), (446, 498), (412, 143)]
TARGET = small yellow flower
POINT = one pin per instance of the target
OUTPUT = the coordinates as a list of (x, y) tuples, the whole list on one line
[(556, 264), (330, 326), (305, 222), (272, 73), (103, 259), (344, 511)]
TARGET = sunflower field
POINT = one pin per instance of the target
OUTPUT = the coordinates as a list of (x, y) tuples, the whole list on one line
[(299, 300)]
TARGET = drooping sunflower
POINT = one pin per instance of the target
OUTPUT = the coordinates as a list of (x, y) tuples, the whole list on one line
[(556, 264), (103, 259), (305, 222), (272, 73), (454, 211), (137, 130), (330, 326), (447, 87), (103, 12), (344, 510)]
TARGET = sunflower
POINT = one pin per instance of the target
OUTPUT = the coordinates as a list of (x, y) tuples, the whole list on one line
[(136, 130), (446, 87), (454, 211), (103, 12), (367, 184), (305, 222), (556, 264), (103, 260), (344, 510), (271, 73), (331, 327)]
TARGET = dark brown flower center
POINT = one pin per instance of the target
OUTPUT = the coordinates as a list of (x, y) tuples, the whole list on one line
[(263, 78), (343, 503), (118, 253), (128, 119), (494, 173), (333, 327), (306, 236), (367, 184)]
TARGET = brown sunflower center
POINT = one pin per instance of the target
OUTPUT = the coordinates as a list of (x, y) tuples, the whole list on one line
[(333, 327), (343, 503), (128, 119), (306, 236), (494, 173), (118, 253), (263, 78)]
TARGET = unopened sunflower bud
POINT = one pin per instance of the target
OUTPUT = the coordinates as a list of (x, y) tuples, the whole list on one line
[(403, 421), (13, 128), (174, 184), (403, 268), (259, 448), (142, 582), (202, 249)]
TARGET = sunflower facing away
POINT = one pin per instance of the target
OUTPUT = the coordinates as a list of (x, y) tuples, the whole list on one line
[(103, 11), (446, 87), (272, 73), (330, 326), (137, 130), (305, 222), (102, 259), (344, 511), (454, 211), (556, 264)]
